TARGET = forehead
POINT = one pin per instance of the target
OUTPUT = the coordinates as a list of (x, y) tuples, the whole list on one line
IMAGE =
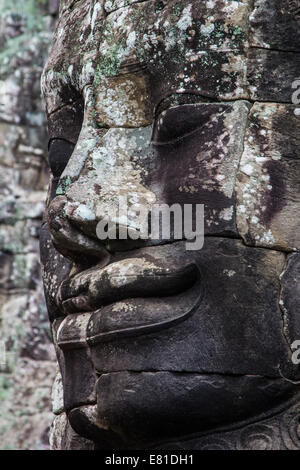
[(220, 49), (150, 49)]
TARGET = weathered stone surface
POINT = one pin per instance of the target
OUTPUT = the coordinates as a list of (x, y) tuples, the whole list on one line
[(276, 433), (57, 395), (228, 270), (111, 5), (268, 178), (289, 298), (58, 266), (270, 74), (66, 122), (146, 393), (257, 356), (78, 378), (62, 436), (208, 36), (57, 431), (176, 103), (275, 24), (211, 154), (84, 420), (62, 80)]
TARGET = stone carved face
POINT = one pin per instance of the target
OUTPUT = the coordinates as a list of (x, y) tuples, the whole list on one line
[(173, 102)]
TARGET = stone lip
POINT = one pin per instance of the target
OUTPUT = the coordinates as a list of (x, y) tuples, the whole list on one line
[(148, 316), (128, 297), (138, 276)]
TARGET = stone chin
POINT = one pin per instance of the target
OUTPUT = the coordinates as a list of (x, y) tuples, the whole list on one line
[(150, 409)]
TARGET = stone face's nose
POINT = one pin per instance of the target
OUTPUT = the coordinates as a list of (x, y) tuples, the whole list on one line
[(68, 239), (104, 182)]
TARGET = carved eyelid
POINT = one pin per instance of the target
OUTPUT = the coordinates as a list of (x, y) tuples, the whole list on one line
[(65, 123), (205, 118), (181, 136), (58, 166)]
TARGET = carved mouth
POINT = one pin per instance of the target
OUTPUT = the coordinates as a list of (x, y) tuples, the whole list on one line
[(129, 297)]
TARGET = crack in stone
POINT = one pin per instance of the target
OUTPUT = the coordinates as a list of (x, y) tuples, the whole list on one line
[(284, 311), (238, 169), (274, 49), (195, 373), (130, 5)]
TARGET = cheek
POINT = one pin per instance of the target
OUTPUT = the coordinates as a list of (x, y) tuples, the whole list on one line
[(201, 167), (193, 174)]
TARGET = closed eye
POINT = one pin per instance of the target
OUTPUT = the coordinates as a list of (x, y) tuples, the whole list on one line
[(59, 153), (178, 122)]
